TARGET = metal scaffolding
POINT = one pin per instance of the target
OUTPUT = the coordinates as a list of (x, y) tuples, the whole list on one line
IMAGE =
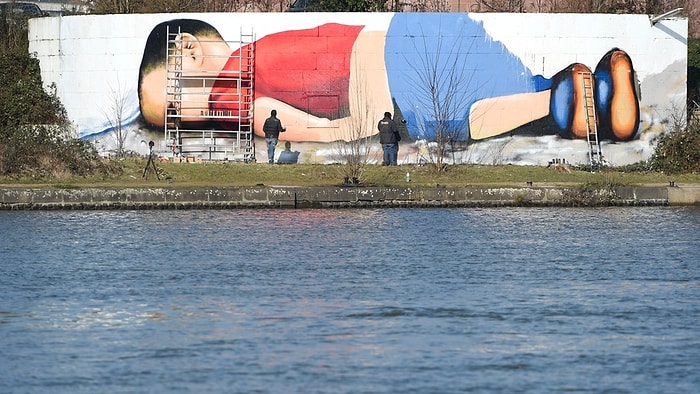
[(209, 113)]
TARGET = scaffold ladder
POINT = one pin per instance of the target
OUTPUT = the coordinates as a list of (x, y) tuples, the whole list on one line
[(595, 154), (173, 95)]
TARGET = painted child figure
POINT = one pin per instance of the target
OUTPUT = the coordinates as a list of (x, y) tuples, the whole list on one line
[(320, 79)]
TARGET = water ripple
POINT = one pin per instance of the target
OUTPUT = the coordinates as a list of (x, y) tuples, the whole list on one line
[(395, 300)]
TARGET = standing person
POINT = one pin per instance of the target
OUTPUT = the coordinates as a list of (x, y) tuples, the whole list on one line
[(389, 139), (272, 128)]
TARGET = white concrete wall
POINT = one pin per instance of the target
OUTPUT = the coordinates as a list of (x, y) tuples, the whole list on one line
[(91, 57)]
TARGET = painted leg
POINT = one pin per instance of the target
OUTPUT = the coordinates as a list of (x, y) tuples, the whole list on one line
[(271, 145), (567, 104), (617, 105)]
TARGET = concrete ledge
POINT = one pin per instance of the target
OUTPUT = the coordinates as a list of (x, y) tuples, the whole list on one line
[(308, 197), (684, 195)]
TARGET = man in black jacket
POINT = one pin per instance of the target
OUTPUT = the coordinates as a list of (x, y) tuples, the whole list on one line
[(389, 139), (272, 128)]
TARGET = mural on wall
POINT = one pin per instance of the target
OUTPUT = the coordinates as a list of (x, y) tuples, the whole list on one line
[(291, 70), (501, 93), (508, 85)]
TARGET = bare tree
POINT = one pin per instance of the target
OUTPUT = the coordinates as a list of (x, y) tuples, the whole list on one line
[(153, 6), (13, 31), (600, 6), (429, 5), (353, 146), (582, 6), (693, 14), (114, 6), (441, 80), (241, 5), (270, 5), (115, 113), (502, 5)]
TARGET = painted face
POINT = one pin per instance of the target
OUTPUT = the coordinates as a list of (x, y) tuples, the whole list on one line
[(188, 90), (158, 92)]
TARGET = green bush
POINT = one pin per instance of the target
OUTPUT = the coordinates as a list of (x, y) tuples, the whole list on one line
[(679, 152), (34, 129)]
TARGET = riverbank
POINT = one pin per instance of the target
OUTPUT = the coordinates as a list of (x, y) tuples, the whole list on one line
[(239, 185), (342, 197)]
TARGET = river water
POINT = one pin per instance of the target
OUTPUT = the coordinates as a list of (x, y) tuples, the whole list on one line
[(351, 301)]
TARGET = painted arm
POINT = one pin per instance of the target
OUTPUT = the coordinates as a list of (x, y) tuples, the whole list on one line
[(498, 115)]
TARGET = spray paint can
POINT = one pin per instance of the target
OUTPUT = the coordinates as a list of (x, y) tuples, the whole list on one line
[(408, 177)]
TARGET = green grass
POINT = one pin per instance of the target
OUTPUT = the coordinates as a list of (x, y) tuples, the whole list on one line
[(241, 175)]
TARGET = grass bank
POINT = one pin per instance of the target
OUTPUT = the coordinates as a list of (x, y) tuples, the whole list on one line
[(241, 175)]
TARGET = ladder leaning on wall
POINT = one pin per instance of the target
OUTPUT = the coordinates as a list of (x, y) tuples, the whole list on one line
[(595, 154), (210, 134)]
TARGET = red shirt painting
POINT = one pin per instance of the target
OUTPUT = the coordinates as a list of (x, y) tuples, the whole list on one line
[(307, 69)]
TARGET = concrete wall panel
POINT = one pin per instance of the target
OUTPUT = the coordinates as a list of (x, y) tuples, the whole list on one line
[(92, 59)]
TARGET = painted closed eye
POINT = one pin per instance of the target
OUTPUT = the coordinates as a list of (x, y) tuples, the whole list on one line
[(189, 49)]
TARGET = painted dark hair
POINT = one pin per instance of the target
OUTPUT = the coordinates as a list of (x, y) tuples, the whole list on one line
[(155, 51)]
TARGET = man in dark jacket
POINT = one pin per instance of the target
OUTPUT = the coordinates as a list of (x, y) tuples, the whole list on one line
[(389, 139), (272, 129)]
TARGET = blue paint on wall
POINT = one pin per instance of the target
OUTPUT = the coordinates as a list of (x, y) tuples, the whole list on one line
[(486, 68)]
